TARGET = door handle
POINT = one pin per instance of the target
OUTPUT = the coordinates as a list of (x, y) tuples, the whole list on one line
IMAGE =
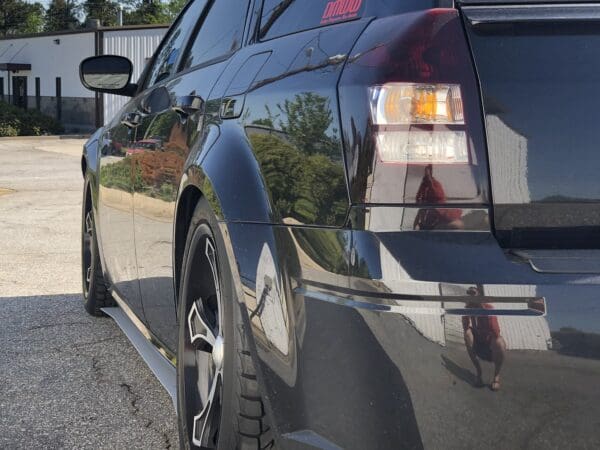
[(187, 105), (132, 120)]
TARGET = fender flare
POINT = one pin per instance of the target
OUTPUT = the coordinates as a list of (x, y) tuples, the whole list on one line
[(225, 171)]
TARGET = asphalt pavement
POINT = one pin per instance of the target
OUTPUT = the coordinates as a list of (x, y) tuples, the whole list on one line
[(67, 380)]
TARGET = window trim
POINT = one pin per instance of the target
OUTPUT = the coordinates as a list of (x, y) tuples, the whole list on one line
[(145, 74), (192, 39), (253, 20)]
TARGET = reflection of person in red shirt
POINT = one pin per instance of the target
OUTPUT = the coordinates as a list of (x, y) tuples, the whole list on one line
[(431, 192), (483, 341)]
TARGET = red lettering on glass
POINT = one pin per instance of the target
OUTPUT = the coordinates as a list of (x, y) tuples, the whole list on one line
[(340, 10)]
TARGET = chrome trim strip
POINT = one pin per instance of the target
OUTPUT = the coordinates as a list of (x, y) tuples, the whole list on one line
[(446, 305), (484, 15)]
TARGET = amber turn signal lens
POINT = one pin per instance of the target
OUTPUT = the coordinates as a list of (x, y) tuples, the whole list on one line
[(413, 123), (412, 103)]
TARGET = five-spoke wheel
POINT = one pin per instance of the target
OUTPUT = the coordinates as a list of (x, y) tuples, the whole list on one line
[(219, 404), (86, 254), (203, 349), (205, 333)]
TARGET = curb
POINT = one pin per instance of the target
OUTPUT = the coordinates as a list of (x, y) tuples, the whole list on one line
[(49, 137)]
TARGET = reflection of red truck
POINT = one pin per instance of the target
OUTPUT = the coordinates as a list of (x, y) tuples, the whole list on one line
[(143, 146)]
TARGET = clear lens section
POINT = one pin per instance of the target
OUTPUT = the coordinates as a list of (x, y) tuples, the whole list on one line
[(424, 147), (406, 103), (400, 105)]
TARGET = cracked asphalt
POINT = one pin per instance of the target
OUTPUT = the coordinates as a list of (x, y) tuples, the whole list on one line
[(67, 380)]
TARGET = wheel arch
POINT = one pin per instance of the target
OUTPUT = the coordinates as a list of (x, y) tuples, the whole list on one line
[(91, 154), (188, 200), (226, 173), (90, 162)]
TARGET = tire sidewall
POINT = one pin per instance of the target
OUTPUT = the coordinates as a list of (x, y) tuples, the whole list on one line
[(203, 224)]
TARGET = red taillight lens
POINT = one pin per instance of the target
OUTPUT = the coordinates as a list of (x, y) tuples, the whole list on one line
[(411, 114)]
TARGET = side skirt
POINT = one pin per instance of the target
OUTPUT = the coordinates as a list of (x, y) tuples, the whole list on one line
[(141, 339)]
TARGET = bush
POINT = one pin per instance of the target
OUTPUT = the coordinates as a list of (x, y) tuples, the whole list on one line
[(8, 130), (16, 121)]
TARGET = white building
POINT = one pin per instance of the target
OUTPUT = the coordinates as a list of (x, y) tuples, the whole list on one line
[(41, 71)]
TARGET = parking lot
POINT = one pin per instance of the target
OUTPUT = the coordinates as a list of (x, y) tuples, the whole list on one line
[(67, 380)]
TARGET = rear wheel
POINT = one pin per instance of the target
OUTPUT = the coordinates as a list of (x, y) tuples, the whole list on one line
[(219, 404), (95, 290)]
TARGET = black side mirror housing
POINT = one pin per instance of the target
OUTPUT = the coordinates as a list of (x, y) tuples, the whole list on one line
[(109, 74)]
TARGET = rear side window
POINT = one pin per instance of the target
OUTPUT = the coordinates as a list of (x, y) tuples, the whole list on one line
[(280, 17), (221, 32), (170, 48)]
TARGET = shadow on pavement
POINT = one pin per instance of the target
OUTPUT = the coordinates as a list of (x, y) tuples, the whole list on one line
[(72, 380)]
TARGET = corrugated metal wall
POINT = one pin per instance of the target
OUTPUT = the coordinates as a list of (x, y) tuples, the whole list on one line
[(138, 46)]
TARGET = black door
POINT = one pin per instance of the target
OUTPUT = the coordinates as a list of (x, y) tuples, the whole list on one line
[(19, 89), (164, 140), (122, 172)]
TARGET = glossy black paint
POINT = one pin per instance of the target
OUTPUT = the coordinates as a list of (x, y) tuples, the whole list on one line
[(369, 337), (538, 68), (355, 317)]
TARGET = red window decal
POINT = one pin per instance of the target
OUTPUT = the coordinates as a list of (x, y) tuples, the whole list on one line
[(341, 10)]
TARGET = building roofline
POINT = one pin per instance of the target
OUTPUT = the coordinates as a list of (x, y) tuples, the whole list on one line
[(134, 27), (82, 31)]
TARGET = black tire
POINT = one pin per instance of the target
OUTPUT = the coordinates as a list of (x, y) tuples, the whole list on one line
[(241, 420), (95, 290)]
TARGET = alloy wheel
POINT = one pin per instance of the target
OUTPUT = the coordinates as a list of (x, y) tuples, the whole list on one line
[(204, 349), (87, 242)]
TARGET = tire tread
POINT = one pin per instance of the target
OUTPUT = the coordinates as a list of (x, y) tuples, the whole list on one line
[(254, 430), (98, 296)]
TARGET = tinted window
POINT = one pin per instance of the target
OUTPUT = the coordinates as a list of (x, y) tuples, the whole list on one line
[(281, 17), (221, 32), (164, 63)]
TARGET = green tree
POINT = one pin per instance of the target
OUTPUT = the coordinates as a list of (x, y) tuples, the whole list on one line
[(174, 7), (301, 162), (107, 11), (19, 17), (61, 15), (307, 187), (143, 12), (308, 119)]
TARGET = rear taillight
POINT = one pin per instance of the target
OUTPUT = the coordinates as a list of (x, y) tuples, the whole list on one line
[(405, 116), (411, 114)]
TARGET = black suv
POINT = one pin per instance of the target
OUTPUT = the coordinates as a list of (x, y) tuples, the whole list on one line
[(358, 223)]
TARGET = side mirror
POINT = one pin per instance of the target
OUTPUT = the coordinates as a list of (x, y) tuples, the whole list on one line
[(109, 74)]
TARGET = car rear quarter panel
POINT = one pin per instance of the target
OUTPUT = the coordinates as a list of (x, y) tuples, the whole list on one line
[(360, 339)]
